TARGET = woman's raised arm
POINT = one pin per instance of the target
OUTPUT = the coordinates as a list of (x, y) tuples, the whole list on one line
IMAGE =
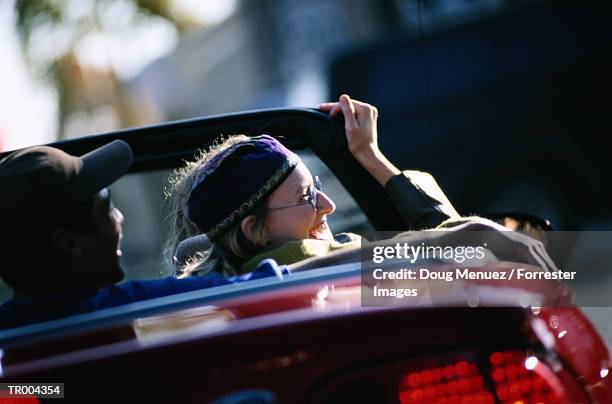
[(416, 195)]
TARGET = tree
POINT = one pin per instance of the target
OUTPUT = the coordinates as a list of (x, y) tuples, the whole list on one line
[(71, 21)]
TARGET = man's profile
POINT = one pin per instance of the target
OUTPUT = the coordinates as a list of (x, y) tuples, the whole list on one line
[(61, 231)]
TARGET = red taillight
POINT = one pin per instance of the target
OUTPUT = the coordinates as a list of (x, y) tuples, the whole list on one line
[(18, 400), (457, 382), (522, 379), (514, 377)]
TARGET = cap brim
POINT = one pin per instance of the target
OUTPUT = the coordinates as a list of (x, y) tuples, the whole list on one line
[(103, 166)]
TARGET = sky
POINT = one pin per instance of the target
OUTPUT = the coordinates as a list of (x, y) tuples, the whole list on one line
[(28, 106), (27, 109)]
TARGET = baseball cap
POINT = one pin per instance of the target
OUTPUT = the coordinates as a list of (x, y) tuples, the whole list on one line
[(42, 185)]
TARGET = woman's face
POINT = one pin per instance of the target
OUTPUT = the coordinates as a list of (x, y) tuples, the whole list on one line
[(297, 220)]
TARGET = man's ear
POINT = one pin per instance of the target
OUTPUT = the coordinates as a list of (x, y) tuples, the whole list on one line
[(246, 225), (66, 243)]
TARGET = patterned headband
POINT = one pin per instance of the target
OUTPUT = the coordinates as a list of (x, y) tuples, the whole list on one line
[(228, 186)]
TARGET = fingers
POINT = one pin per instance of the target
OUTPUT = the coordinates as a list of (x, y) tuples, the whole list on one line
[(336, 110), (332, 107), (359, 109), (359, 125), (348, 110), (365, 109)]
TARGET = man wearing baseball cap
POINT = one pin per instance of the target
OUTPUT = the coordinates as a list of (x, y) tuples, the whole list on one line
[(60, 236)]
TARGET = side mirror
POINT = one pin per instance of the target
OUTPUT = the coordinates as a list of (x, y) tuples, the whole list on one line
[(527, 223), (558, 244)]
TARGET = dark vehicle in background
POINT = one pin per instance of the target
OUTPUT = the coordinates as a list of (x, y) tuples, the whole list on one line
[(508, 113)]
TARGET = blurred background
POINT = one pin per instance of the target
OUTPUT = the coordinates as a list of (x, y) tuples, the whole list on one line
[(506, 102)]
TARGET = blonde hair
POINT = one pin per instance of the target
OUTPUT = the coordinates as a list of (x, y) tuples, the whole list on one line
[(232, 248)]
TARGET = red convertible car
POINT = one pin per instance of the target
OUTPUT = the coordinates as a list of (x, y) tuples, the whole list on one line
[(308, 338)]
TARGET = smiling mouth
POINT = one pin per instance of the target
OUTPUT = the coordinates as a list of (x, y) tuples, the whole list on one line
[(320, 231)]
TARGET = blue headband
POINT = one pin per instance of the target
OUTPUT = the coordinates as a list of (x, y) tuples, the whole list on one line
[(232, 183)]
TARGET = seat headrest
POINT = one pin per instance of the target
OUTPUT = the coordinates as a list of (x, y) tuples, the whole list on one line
[(189, 248)]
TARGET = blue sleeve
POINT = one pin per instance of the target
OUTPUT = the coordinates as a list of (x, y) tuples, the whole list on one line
[(134, 291)]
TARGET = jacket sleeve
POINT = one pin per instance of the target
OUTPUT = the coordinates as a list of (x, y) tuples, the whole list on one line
[(419, 199)]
